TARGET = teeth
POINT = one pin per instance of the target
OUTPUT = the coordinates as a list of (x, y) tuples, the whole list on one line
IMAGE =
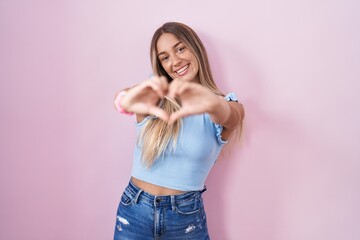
[(183, 69)]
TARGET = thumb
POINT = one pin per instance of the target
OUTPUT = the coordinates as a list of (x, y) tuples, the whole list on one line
[(160, 113)]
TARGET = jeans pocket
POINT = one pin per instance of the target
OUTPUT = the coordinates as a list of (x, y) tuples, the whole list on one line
[(188, 208), (126, 198)]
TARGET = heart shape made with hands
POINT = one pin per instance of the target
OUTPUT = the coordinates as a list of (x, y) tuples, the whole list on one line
[(195, 99)]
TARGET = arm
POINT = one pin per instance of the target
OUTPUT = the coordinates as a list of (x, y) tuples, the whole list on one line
[(117, 103), (228, 114), (142, 99), (197, 99)]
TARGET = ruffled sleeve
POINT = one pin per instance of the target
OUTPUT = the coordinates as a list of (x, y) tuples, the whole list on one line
[(231, 97)]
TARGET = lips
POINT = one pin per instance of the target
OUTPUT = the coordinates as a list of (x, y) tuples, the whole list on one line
[(182, 70)]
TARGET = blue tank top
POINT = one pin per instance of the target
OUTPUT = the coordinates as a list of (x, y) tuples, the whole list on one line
[(187, 167)]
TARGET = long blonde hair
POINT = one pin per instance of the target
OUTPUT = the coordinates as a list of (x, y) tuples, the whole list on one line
[(157, 134)]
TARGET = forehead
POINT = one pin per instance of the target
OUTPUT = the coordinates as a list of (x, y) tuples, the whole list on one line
[(166, 42)]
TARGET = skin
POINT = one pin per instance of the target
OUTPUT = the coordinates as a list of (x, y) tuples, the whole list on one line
[(181, 65), (175, 56)]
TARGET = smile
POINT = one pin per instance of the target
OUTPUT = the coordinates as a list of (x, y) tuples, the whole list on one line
[(182, 70)]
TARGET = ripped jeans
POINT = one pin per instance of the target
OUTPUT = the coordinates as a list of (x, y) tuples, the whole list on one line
[(142, 216)]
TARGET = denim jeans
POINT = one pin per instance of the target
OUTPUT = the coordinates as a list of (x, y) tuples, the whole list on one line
[(142, 216)]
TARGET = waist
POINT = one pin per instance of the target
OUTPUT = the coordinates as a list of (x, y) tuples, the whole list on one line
[(153, 189), (139, 194)]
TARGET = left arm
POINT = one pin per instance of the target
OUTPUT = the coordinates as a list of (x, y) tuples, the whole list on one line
[(196, 99), (228, 114)]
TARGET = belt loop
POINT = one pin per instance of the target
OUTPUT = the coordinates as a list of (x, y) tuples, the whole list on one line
[(157, 200), (203, 190), (173, 202), (137, 196)]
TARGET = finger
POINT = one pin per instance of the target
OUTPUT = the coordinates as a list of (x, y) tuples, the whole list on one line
[(159, 113), (156, 87), (182, 88), (157, 78), (173, 88), (132, 95), (164, 84)]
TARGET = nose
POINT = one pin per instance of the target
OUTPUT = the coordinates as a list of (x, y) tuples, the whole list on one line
[(176, 60)]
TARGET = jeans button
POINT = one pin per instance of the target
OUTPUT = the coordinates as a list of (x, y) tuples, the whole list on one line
[(157, 200)]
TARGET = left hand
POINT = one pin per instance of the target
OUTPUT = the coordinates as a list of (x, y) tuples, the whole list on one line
[(195, 99)]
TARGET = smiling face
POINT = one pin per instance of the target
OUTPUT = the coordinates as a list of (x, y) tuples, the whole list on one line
[(176, 59)]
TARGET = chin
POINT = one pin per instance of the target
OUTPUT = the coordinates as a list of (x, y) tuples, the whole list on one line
[(188, 78)]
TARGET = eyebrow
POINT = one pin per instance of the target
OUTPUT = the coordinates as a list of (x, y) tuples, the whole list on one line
[(172, 47)]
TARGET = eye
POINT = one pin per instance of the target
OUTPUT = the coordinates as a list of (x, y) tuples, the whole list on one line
[(165, 58), (181, 49)]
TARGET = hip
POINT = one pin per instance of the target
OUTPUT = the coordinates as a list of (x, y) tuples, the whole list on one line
[(142, 215)]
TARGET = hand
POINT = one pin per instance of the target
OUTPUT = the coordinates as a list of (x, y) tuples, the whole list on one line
[(195, 99), (143, 98)]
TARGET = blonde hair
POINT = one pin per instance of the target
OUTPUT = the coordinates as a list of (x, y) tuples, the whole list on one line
[(157, 134)]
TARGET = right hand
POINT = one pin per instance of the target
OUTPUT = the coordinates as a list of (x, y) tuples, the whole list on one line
[(143, 98)]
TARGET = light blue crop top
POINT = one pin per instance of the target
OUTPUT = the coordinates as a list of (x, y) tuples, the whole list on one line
[(186, 167)]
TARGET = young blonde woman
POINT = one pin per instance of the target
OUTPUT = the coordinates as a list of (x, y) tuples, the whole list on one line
[(183, 121)]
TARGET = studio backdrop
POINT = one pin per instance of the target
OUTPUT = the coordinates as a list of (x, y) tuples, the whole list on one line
[(65, 153)]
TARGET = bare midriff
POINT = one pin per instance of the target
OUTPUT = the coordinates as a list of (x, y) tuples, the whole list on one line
[(154, 189)]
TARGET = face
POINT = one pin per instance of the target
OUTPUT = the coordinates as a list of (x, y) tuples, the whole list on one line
[(176, 59)]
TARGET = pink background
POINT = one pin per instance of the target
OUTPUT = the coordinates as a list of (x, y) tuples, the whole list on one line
[(66, 153)]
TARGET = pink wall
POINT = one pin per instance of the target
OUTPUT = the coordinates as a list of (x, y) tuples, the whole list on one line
[(66, 154)]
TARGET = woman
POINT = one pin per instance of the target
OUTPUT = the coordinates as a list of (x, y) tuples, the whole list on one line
[(183, 121)]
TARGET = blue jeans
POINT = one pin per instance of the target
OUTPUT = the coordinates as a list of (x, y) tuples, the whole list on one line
[(142, 216)]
